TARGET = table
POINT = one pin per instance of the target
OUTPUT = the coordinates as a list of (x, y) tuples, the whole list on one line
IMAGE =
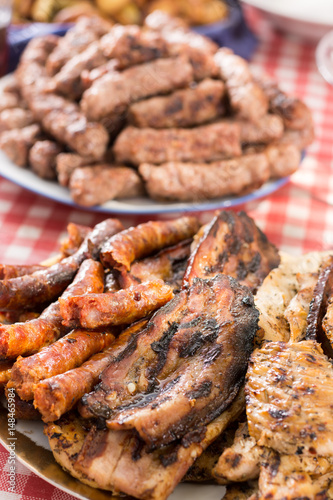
[(298, 218)]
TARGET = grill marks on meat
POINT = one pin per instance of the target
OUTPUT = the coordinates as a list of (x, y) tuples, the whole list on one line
[(182, 108), (130, 458), (168, 265), (246, 97), (205, 143), (204, 358), (289, 398), (232, 244), (28, 337), (98, 184), (45, 285), (58, 394), (110, 95), (116, 308), (202, 181), (144, 239)]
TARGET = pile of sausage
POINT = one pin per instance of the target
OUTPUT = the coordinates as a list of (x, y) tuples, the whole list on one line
[(125, 111)]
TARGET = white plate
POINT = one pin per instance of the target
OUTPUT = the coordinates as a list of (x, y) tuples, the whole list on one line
[(307, 18), (27, 179), (33, 451)]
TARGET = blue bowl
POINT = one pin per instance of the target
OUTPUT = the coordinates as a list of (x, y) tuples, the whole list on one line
[(231, 32)]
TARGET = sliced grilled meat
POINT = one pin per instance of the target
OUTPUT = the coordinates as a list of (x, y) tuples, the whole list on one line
[(232, 244)]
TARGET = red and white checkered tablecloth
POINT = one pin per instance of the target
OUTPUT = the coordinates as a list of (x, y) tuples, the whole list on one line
[(298, 218)]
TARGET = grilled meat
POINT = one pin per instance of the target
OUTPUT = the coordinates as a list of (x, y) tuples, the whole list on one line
[(247, 98), (202, 181), (28, 337), (66, 163), (8, 271), (17, 143), (205, 143), (58, 394), (15, 118), (168, 265), (110, 95), (240, 462), (98, 184), (266, 129), (145, 239), (232, 244), (111, 457), (289, 388), (182, 108), (42, 158)]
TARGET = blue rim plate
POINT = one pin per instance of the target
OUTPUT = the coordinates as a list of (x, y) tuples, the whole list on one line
[(141, 206)]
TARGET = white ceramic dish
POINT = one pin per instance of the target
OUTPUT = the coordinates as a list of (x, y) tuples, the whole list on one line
[(33, 451), (307, 18), (145, 206)]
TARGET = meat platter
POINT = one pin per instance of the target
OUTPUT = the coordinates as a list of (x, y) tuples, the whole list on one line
[(172, 352), (154, 113)]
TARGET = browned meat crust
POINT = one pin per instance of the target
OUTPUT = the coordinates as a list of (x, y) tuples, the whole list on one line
[(234, 245), (8, 271), (205, 143), (76, 233), (200, 364), (16, 143), (247, 98), (283, 159), (64, 121), (111, 457), (182, 108), (24, 410), (76, 40), (28, 337), (145, 239), (130, 45), (202, 181), (65, 354), (266, 129), (110, 95), (117, 308), (27, 291), (9, 100), (68, 81), (42, 158), (15, 118), (66, 163), (98, 184), (5, 372), (168, 265), (57, 395)]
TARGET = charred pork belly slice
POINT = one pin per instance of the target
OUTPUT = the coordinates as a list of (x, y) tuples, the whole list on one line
[(317, 324), (76, 40), (202, 181), (110, 95), (289, 398), (99, 310), (145, 239), (111, 457), (182, 108), (199, 366), (98, 184), (247, 98), (30, 290), (15, 118), (42, 158), (28, 337), (239, 462), (209, 142), (17, 143), (63, 119), (232, 244), (130, 45), (168, 265), (292, 477)]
